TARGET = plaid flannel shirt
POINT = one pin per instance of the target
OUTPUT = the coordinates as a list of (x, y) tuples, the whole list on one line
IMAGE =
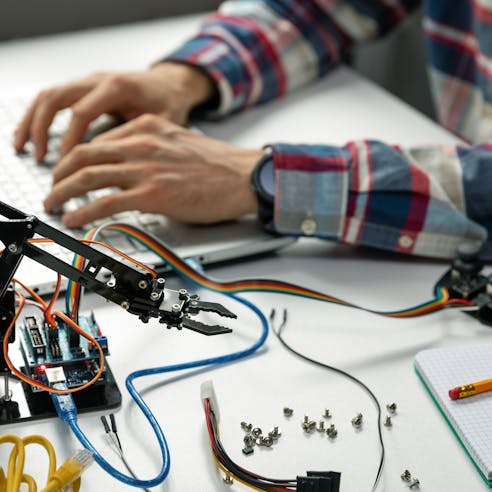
[(423, 201)]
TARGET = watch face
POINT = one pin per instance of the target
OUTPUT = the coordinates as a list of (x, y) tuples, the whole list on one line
[(266, 178)]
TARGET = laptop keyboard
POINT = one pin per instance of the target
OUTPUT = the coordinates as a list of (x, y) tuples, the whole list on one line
[(24, 184)]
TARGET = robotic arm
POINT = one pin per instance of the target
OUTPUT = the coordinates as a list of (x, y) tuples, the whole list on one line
[(131, 287)]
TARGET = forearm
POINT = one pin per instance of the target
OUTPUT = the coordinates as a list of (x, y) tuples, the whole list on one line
[(421, 201), (256, 51)]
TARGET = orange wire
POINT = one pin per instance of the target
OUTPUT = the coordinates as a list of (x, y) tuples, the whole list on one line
[(107, 246), (47, 314), (35, 383), (31, 293)]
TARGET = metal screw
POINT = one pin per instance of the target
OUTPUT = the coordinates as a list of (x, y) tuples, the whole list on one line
[(228, 480), (321, 426), (332, 431), (327, 414), (257, 432), (175, 308), (161, 281), (406, 476), (246, 426), (125, 305), (357, 421), (415, 483), (249, 440), (306, 419), (387, 421), (275, 433), (154, 296), (142, 284), (182, 293), (288, 412), (309, 426), (12, 248), (391, 407), (267, 441)]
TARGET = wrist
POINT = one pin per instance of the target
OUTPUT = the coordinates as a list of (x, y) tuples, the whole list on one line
[(196, 85)]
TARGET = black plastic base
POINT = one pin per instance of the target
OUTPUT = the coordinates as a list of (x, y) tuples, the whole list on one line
[(97, 397)]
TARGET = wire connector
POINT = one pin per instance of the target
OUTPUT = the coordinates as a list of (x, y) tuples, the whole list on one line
[(319, 482), (63, 403), (208, 393), (70, 471)]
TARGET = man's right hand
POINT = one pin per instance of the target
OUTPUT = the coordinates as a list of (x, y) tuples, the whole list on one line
[(168, 89)]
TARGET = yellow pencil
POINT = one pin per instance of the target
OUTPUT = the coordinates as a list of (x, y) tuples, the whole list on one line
[(470, 389)]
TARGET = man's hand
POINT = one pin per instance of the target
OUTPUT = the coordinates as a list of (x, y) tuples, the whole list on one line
[(168, 89), (159, 167)]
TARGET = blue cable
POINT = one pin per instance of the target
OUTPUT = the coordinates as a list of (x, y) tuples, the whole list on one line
[(67, 412)]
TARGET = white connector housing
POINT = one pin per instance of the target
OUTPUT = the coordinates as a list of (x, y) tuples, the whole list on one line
[(55, 375), (208, 393)]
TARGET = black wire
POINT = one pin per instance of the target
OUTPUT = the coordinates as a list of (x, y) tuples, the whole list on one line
[(337, 370)]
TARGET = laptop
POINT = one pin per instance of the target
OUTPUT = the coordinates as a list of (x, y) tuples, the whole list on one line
[(24, 184)]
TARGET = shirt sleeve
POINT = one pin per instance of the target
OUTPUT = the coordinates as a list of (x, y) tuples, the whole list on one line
[(256, 50), (422, 201)]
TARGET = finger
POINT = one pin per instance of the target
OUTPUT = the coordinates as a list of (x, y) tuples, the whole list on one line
[(103, 99), (21, 133), (106, 206), (88, 179), (84, 155), (39, 116), (45, 112)]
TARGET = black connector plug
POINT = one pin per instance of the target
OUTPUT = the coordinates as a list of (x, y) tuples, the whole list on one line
[(319, 482)]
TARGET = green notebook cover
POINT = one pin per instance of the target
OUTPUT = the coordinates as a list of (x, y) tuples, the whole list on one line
[(469, 418)]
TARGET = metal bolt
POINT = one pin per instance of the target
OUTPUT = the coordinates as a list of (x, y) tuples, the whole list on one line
[(194, 303), (327, 414), (288, 412), (331, 432), (257, 432), (267, 441), (357, 421), (228, 480), (415, 483), (12, 248), (182, 293), (175, 308), (391, 407), (309, 426), (125, 305), (249, 440), (142, 284), (306, 419), (275, 433), (406, 476), (387, 421), (161, 281), (321, 426), (246, 426)]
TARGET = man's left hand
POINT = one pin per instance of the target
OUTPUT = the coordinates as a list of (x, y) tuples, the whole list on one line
[(158, 167)]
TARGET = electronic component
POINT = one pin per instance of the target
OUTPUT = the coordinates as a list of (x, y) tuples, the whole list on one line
[(465, 281)]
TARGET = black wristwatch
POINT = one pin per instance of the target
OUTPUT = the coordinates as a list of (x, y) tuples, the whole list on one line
[(263, 184)]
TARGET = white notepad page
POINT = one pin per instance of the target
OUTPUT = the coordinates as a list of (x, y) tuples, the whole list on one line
[(471, 418)]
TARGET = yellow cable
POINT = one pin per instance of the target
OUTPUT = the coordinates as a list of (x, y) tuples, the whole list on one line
[(68, 473)]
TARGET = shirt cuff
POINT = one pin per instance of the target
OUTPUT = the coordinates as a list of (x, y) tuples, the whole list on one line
[(223, 65), (310, 190)]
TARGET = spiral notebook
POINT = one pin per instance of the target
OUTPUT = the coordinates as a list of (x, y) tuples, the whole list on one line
[(469, 418)]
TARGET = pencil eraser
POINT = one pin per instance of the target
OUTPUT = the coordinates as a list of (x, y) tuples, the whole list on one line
[(454, 393)]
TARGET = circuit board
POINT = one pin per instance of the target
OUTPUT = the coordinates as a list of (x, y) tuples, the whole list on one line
[(43, 347)]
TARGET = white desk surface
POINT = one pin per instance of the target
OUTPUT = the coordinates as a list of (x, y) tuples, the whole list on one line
[(380, 351)]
